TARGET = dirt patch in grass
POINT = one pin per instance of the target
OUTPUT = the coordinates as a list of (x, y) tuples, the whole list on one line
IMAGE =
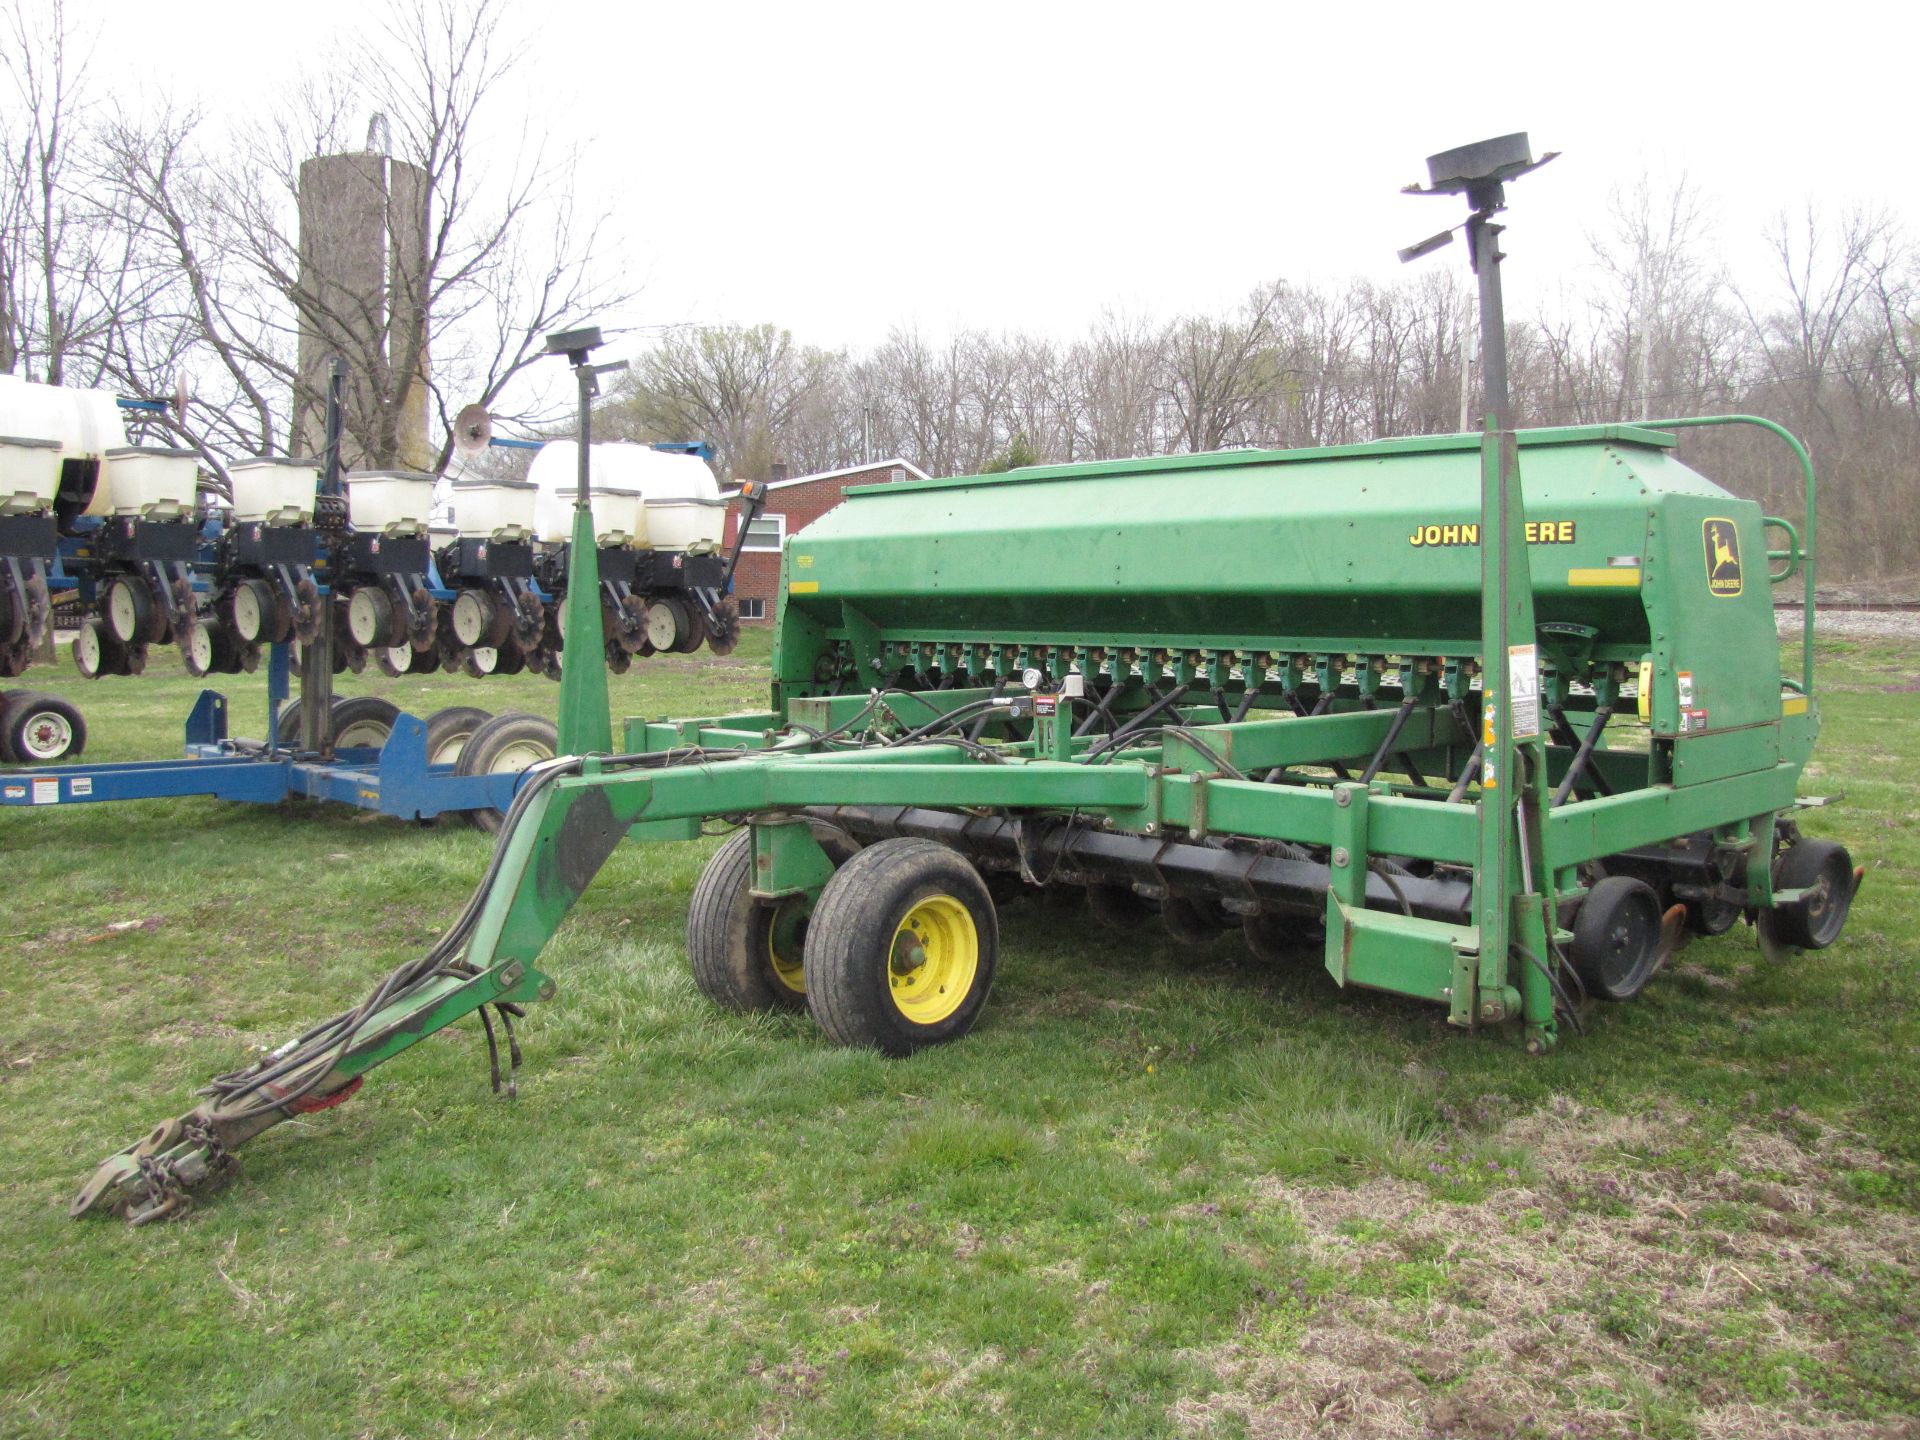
[(1647, 1278)]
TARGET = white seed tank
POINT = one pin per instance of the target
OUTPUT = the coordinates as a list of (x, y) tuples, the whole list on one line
[(493, 509), (84, 423), (681, 502), (390, 502), (273, 491), (149, 482)]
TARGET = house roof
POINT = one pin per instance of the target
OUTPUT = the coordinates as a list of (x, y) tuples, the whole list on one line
[(914, 472)]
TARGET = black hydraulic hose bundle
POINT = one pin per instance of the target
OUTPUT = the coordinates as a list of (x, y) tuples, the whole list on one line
[(333, 1037)]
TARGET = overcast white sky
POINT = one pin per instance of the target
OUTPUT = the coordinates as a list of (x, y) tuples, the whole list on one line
[(842, 168)]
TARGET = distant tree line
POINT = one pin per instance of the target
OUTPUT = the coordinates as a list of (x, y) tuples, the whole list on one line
[(1826, 343)]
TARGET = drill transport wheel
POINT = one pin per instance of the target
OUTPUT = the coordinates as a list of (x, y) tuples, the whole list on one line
[(745, 953), (901, 948)]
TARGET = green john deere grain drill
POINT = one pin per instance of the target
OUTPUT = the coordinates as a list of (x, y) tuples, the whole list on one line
[(1376, 706)]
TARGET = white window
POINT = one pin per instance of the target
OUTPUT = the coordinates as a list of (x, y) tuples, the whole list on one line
[(769, 532), (753, 607)]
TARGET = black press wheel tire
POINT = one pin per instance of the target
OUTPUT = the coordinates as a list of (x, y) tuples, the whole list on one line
[(509, 743), (129, 609), (371, 619), (41, 729), (449, 730), (1711, 917), (1191, 921), (1118, 908), (694, 634), (1281, 939), (98, 651), (1825, 870), (1616, 937), (745, 954), (665, 624), (901, 948)]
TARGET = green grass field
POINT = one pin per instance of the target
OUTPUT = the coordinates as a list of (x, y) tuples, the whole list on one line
[(1158, 1192)]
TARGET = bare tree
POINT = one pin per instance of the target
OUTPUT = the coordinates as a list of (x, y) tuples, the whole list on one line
[(56, 262), (1218, 370), (739, 388), (479, 261)]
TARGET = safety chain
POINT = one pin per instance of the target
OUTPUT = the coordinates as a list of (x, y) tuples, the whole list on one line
[(166, 1193)]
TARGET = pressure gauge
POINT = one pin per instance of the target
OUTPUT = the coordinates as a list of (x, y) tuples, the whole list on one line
[(1031, 677)]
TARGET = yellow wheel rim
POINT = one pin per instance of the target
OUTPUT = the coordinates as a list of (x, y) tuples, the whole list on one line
[(786, 941), (935, 956)]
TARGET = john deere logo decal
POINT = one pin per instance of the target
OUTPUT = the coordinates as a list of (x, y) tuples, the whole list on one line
[(1723, 557)]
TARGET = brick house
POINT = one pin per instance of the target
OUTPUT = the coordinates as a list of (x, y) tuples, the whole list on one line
[(791, 506)]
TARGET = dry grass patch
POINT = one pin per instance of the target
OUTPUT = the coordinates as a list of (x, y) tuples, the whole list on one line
[(1626, 1287)]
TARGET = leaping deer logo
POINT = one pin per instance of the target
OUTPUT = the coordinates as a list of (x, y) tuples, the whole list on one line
[(1723, 557)]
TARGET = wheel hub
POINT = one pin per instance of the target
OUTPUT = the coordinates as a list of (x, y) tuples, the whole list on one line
[(933, 960)]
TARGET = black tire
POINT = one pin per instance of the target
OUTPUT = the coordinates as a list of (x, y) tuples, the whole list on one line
[(478, 619), (129, 609), (449, 730), (372, 620), (196, 651), (250, 609), (1006, 887), (745, 954), (1118, 908), (1826, 870), (1711, 917), (1193, 921), (41, 729), (666, 623), (512, 740), (1616, 937), (1281, 939), (898, 890), (95, 650), (510, 659), (363, 721), (694, 634)]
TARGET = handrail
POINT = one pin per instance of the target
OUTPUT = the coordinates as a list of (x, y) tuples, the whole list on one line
[(1807, 549)]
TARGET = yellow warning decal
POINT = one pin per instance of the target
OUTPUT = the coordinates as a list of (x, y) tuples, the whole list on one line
[(1609, 577), (1722, 540), (805, 562), (1793, 705), (804, 587)]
